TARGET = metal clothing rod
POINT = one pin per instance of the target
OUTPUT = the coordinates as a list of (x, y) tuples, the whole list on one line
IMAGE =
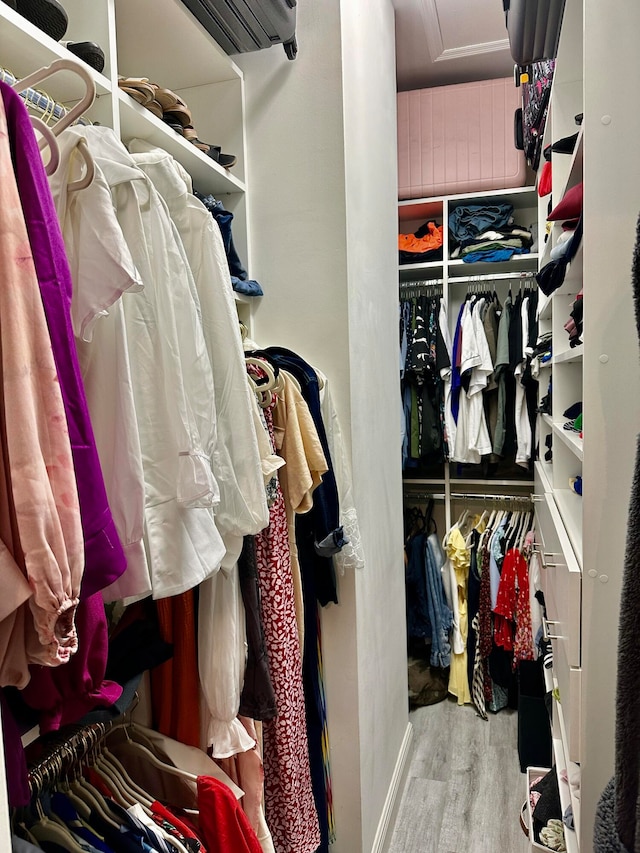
[(462, 496), (425, 496), (64, 754), (501, 276), (427, 282)]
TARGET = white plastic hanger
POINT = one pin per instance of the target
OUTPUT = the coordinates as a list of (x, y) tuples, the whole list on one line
[(90, 167), (114, 784), (262, 390), (92, 798), (135, 789), (49, 134), (62, 65), (156, 762), (51, 141)]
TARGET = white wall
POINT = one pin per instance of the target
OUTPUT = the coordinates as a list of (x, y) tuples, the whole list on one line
[(322, 173), (368, 55)]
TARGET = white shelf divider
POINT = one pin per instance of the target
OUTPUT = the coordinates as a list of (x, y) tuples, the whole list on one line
[(570, 508), (568, 356), (571, 439)]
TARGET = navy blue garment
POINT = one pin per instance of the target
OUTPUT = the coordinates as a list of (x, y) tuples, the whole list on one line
[(224, 218), (315, 710), (63, 807), (119, 841), (456, 379), (467, 221), (418, 622), (324, 517)]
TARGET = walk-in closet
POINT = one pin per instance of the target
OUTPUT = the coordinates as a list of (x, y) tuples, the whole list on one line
[(319, 401)]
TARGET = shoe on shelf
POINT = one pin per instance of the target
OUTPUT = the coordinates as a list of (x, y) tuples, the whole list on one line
[(139, 88), (87, 51), (213, 151), (165, 97), (155, 108), (178, 111), (174, 124), (48, 15)]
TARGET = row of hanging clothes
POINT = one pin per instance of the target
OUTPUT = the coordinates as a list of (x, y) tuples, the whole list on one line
[(469, 398), (126, 788), (425, 363), (493, 386), (208, 508), (474, 596)]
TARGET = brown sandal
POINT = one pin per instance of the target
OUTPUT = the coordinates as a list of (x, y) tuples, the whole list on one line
[(138, 88), (165, 97), (180, 111)]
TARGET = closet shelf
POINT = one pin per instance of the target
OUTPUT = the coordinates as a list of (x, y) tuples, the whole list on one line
[(243, 299), (422, 209), (571, 439), (164, 55), (207, 175), (515, 484), (568, 356), (570, 507), (520, 197), (517, 264), (24, 48), (410, 270), (408, 481)]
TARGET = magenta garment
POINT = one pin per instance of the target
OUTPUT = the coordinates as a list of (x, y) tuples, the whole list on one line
[(15, 762), (104, 557), (64, 694)]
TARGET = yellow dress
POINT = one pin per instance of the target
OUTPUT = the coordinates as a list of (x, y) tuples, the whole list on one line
[(459, 556)]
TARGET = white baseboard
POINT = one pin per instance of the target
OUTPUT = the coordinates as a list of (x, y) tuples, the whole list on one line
[(392, 801)]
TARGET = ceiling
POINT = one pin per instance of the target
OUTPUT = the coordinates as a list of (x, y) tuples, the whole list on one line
[(450, 41)]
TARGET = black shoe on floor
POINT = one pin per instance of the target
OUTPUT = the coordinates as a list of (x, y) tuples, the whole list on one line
[(87, 51), (47, 15)]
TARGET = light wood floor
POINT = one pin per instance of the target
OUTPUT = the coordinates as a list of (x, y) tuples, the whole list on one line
[(464, 790)]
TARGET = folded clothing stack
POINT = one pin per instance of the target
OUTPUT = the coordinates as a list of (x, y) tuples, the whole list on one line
[(542, 349), (422, 246), (487, 232)]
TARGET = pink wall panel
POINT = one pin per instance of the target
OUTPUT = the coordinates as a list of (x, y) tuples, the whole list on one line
[(456, 139)]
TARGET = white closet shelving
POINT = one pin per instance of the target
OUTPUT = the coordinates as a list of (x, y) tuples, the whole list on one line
[(581, 539), (455, 276), (413, 212), (160, 40)]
